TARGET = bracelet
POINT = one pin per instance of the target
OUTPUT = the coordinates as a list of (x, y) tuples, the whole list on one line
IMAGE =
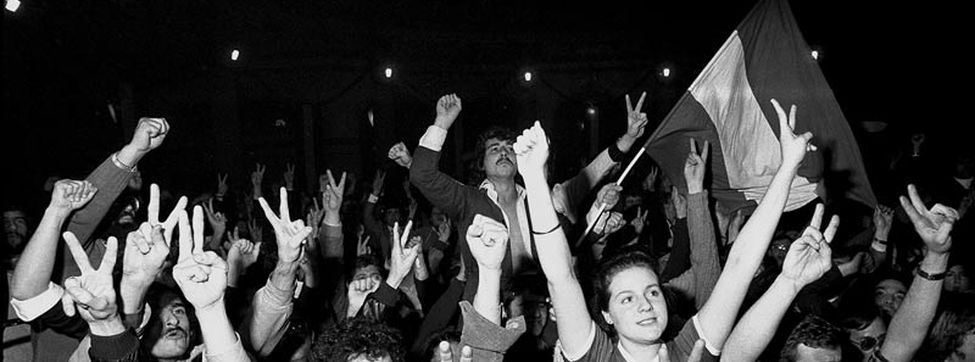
[(615, 153), (373, 198), (932, 277), (557, 226), (121, 164)]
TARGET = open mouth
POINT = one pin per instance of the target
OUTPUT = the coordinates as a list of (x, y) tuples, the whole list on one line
[(175, 333)]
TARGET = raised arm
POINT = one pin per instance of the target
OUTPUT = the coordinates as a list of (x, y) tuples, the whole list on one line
[(808, 259), (442, 190), (272, 304), (910, 324), (717, 316), (577, 187), (33, 272), (202, 277), (488, 240), (111, 178), (553, 249), (704, 248), (92, 296)]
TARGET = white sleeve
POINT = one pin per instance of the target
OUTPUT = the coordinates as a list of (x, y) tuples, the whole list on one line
[(30, 309), (715, 351), (433, 138)]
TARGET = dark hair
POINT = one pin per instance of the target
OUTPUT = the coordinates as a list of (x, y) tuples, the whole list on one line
[(949, 329), (500, 133), (608, 269), (363, 261), (358, 336), (158, 297), (813, 332)]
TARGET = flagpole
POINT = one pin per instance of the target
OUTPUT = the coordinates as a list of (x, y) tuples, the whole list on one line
[(602, 206)]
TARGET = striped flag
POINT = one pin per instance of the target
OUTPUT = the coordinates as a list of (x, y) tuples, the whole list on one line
[(729, 105)]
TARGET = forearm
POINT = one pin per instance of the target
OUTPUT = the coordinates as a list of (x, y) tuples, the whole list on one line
[(33, 271), (110, 179), (218, 335), (704, 248), (910, 324), (133, 293), (718, 314), (757, 232), (487, 301), (757, 327), (283, 276), (553, 253), (268, 320)]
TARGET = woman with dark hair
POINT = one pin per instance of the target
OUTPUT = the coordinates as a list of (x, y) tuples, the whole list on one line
[(630, 288), (952, 336)]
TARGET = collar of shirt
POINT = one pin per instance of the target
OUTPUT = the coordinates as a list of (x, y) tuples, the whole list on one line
[(488, 188), (626, 355)]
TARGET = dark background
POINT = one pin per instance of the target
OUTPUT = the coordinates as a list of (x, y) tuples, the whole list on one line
[(318, 66)]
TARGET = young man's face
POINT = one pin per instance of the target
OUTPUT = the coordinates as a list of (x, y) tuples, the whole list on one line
[(174, 339), (499, 159), (15, 227)]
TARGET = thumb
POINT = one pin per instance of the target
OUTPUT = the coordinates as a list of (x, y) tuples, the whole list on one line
[(662, 354), (697, 352)]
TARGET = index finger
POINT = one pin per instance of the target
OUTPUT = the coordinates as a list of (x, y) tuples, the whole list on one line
[(185, 237), (466, 355), (198, 229), (629, 107), (341, 185), (77, 252), (111, 254), (406, 231), (154, 204), (396, 240), (267, 212), (916, 199), (834, 223), (817, 219), (705, 150)]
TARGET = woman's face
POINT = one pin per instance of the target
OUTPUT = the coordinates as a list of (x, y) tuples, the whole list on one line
[(888, 296), (637, 309)]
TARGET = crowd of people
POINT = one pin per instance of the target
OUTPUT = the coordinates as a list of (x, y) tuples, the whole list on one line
[(510, 266)]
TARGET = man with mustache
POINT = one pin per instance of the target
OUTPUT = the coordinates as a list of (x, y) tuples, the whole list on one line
[(498, 196)]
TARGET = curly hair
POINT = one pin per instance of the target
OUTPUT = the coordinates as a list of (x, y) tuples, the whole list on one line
[(357, 337), (813, 332), (500, 133)]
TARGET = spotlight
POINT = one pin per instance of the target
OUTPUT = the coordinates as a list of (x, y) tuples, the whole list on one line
[(234, 55), (815, 54), (591, 111), (528, 76), (12, 5), (666, 72), (389, 73)]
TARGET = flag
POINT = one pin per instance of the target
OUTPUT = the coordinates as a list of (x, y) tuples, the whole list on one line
[(729, 105)]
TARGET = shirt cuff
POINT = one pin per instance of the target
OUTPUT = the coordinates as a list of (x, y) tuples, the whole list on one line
[(30, 309), (707, 344), (480, 333), (582, 351), (433, 138), (229, 353)]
